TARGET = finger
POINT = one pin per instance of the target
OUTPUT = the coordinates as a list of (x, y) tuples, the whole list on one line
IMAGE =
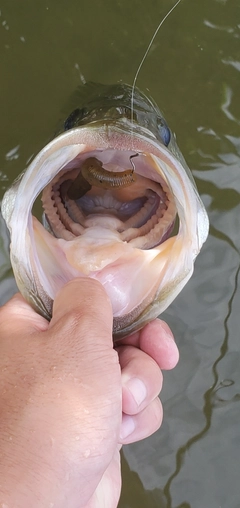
[(157, 340), (134, 338), (81, 344), (17, 315), (137, 427), (141, 379), (82, 307)]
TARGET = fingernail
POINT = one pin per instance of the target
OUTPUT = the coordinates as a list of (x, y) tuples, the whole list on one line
[(137, 389), (127, 427)]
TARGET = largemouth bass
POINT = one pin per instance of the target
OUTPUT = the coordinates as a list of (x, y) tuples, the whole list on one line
[(119, 205)]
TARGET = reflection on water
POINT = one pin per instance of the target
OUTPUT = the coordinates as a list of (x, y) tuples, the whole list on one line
[(192, 72), (210, 400)]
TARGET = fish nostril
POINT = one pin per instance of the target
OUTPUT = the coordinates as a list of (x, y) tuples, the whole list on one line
[(74, 118)]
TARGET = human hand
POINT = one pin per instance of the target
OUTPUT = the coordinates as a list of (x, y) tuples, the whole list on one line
[(69, 400)]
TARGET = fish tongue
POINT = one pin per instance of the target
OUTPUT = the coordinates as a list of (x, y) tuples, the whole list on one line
[(108, 225), (96, 247)]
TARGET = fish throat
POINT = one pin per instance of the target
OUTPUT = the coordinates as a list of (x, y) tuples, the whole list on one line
[(102, 196)]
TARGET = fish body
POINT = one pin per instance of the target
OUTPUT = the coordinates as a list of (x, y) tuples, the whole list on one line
[(114, 188)]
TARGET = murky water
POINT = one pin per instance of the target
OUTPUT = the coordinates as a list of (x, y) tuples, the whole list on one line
[(193, 72)]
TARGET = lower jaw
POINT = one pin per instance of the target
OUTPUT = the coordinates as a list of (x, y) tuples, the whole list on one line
[(130, 276)]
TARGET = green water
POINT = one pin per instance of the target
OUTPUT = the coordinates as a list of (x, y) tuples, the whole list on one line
[(193, 73)]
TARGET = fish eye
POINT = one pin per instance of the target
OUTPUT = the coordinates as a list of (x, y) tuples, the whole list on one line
[(164, 131), (74, 118)]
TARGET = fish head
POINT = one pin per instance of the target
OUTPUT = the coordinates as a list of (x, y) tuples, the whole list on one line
[(120, 206)]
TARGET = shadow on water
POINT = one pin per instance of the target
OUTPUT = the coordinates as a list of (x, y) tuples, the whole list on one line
[(134, 493), (209, 398)]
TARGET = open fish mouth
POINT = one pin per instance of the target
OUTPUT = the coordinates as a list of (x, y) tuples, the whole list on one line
[(140, 212), (111, 195)]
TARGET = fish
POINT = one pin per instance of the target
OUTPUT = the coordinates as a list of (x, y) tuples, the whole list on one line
[(120, 205)]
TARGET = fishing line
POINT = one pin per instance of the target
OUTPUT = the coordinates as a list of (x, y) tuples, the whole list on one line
[(145, 56), (131, 157)]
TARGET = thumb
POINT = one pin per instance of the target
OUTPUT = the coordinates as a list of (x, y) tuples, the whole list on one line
[(81, 344), (83, 310)]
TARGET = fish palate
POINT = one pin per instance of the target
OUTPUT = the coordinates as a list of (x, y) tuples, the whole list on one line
[(119, 205)]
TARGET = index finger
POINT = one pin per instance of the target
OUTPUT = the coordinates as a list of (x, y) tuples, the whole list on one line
[(155, 339)]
